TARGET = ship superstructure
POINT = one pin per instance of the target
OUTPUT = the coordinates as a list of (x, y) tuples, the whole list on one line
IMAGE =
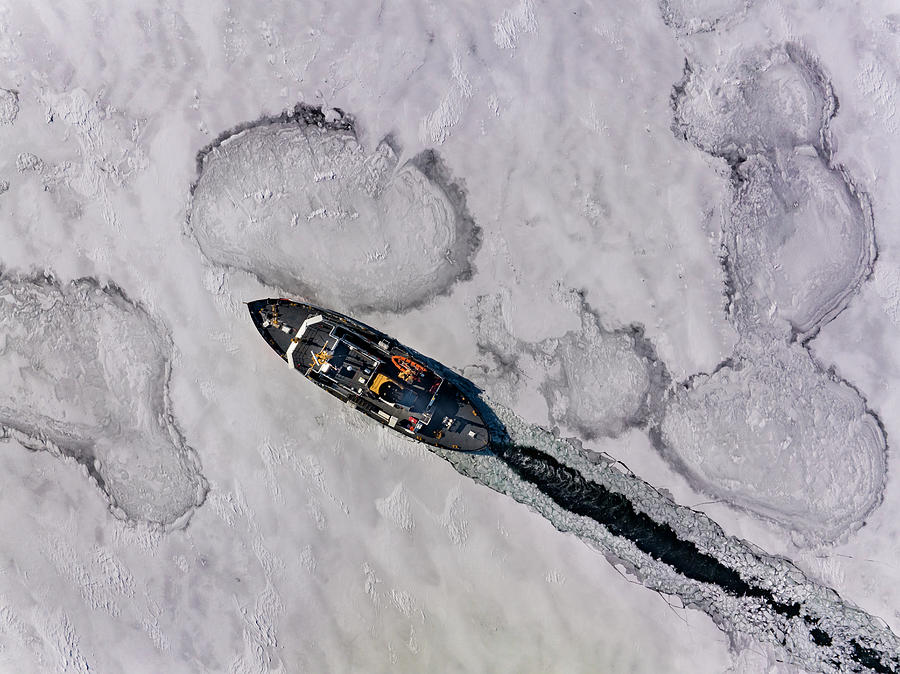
[(372, 372)]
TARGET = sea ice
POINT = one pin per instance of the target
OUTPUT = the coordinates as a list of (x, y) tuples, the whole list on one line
[(300, 204), (789, 440), (86, 375), (801, 241)]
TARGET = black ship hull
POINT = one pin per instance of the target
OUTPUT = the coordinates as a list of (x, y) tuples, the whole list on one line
[(371, 371)]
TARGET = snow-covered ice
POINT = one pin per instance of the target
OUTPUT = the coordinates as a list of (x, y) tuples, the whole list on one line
[(363, 232), (788, 440), (639, 224), (86, 375)]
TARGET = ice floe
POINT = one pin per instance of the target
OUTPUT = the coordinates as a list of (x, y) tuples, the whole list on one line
[(298, 202), (86, 374), (771, 429), (789, 440)]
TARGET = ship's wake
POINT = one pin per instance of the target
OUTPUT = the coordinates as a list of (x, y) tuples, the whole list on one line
[(678, 551)]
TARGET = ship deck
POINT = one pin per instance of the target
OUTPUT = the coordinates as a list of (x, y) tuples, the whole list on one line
[(372, 372)]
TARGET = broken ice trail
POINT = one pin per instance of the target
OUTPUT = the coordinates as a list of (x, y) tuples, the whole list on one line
[(676, 550), (671, 548)]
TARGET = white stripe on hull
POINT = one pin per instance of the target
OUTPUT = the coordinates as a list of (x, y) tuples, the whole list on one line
[(296, 340)]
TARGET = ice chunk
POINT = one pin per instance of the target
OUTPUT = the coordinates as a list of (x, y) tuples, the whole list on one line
[(699, 16), (762, 100), (601, 384), (596, 381), (9, 106)]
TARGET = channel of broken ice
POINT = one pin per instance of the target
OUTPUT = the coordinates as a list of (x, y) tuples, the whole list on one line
[(848, 627)]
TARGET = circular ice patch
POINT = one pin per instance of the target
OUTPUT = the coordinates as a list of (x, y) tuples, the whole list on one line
[(801, 240), (306, 209), (776, 435), (601, 384), (764, 100)]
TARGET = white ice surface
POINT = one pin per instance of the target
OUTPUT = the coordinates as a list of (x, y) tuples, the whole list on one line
[(327, 543)]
